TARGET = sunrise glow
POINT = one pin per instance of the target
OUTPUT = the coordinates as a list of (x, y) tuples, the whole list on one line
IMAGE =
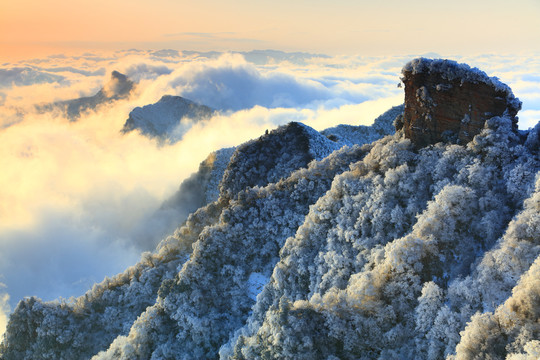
[(287, 179)]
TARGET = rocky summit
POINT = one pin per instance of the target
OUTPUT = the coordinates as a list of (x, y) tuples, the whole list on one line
[(450, 102), (119, 86)]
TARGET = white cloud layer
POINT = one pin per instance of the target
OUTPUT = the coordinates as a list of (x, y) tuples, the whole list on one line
[(4, 308), (77, 199)]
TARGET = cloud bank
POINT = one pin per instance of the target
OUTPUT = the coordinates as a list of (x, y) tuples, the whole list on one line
[(78, 199)]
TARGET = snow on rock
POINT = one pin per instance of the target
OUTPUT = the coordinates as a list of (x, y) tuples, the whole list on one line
[(319, 146), (439, 94), (277, 153), (221, 159), (358, 135), (451, 70), (256, 281), (168, 119)]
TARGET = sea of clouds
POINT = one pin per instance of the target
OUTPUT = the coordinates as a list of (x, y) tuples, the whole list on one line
[(80, 201)]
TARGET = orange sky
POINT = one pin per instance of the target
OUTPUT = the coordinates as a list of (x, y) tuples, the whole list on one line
[(31, 27)]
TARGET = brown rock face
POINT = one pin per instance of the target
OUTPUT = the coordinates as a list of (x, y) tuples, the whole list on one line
[(450, 102)]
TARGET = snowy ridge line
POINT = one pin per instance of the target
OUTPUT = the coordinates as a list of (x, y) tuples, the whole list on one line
[(350, 135), (319, 146)]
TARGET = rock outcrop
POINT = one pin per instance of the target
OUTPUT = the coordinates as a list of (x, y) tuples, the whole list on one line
[(118, 87), (450, 102)]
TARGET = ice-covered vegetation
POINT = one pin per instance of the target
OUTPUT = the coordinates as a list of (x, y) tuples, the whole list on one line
[(373, 251)]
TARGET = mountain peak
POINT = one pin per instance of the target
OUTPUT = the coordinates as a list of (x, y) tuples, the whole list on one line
[(117, 75), (168, 119), (448, 101), (118, 86)]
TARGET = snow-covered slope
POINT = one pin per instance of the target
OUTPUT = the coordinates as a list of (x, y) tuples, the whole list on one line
[(168, 119), (379, 251), (273, 157), (391, 262), (198, 190), (350, 134)]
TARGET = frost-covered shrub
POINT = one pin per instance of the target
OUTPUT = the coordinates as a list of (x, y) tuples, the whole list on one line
[(363, 256), (376, 252), (202, 187), (210, 298), (79, 328), (268, 159), (358, 135), (513, 327)]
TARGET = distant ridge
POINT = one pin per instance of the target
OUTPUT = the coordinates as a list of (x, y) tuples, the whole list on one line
[(118, 87), (168, 119)]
